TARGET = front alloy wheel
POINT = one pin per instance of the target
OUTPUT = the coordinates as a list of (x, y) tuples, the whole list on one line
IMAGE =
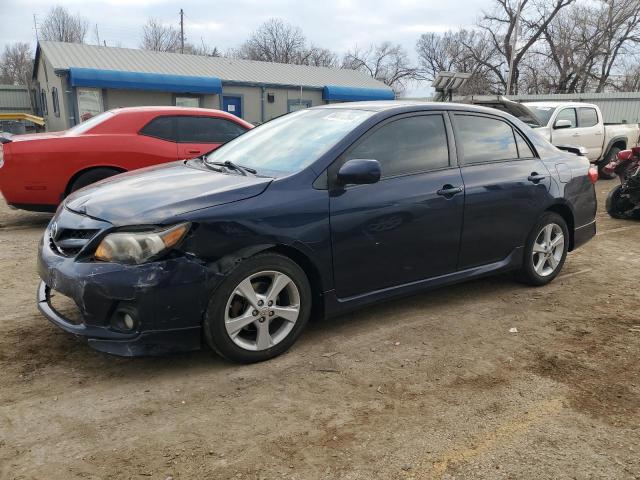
[(262, 310), (259, 310)]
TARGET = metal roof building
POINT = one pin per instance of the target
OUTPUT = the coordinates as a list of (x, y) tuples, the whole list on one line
[(76, 81), (14, 98)]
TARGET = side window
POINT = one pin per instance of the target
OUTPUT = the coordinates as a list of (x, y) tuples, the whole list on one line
[(207, 130), (524, 150), (587, 117), (485, 139), (55, 101), (408, 145), (160, 127), (568, 114)]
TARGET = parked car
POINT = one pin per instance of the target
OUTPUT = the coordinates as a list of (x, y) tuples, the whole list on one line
[(582, 124), (39, 170), (327, 209), (571, 124)]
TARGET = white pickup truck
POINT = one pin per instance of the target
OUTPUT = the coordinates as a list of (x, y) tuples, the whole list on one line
[(571, 123), (582, 124)]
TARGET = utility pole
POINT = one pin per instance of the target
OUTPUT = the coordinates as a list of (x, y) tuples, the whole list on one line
[(35, 26), (181, 31), (514, 44)]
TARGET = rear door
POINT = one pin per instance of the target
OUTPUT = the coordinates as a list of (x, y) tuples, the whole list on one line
[(591, 132), (198, 134), (403, 228), (506, 188)]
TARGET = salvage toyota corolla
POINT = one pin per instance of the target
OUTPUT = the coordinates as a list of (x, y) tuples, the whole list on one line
[(323, 210)]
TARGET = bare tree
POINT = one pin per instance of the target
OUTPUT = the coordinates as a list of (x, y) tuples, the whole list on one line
[(274, 41), (619, 29), (160, 38), (16, 64), (386, 62), (465, 51), (61, 26), (500, 27), (318, 57)]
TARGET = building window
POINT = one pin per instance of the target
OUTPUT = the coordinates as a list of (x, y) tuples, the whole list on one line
[(55, 101), (89, 102), (187, 101), (43, 101)]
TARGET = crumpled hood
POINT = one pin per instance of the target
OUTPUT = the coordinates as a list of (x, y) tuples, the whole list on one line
[(155, 194)]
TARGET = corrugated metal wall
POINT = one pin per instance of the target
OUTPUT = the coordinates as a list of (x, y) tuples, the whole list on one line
[(621, 107), (14, 99)]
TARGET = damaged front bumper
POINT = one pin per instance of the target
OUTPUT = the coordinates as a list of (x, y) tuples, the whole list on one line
[(166, 300)]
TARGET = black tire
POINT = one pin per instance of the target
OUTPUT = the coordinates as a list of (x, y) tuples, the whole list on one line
[(215, 331), (92, 176), (611, 156), (613, 203), (527, 273)]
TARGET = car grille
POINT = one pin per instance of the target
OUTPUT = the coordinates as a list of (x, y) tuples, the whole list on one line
[(69, 242)]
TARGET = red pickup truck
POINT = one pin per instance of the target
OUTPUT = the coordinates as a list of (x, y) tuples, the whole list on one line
[(37, 171)]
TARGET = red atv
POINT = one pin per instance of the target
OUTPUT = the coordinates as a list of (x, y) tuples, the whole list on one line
[(624, 200)]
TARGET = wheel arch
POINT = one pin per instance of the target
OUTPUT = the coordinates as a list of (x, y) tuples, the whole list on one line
[(77, 175), (620, 142), (567, 214), (310, 269)]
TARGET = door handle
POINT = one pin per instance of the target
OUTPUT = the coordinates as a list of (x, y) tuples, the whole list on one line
[(535, 178), (193, 151), (449, 191), (575, 135)]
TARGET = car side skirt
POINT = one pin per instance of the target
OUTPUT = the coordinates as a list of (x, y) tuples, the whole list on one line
[(336, 306)]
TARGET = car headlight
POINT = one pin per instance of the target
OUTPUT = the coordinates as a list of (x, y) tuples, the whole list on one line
[(139, 247)]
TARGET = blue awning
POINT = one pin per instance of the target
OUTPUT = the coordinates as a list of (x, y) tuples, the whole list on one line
[(159, 82), (354, 94)]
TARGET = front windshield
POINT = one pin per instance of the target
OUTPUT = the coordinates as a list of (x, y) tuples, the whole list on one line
[(542, 113), (89, 124), (288, 144)]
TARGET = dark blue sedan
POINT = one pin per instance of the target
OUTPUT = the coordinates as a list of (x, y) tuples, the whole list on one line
[(323, 210)]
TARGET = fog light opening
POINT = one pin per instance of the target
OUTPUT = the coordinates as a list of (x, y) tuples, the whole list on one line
[(124, 320)]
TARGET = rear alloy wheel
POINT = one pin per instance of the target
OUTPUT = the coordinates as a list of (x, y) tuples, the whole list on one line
[(546, 250), (260, 310)]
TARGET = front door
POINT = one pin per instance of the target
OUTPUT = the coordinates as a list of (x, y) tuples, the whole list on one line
[(232, 105), (403, 228), (506, 188)]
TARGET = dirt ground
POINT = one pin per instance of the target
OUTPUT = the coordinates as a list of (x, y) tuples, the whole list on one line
[(434, 386)]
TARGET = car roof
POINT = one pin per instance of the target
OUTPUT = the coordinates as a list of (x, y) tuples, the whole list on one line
[(559, 104), (169, 109), (411, 105)]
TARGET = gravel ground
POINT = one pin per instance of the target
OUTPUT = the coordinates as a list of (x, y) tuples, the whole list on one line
[(433, 386)]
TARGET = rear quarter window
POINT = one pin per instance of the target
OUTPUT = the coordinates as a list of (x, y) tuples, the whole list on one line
[(207, 130), (160, 127)]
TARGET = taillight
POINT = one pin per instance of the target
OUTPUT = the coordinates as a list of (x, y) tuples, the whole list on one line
[(593, 175)]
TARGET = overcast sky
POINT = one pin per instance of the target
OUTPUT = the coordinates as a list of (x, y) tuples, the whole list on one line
[(335, 24)]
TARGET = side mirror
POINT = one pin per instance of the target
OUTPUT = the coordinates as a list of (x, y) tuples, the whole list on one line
[(359, 172), (562, 124)]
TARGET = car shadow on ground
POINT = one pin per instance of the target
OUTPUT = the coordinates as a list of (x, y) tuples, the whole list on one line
[(49, 347)]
